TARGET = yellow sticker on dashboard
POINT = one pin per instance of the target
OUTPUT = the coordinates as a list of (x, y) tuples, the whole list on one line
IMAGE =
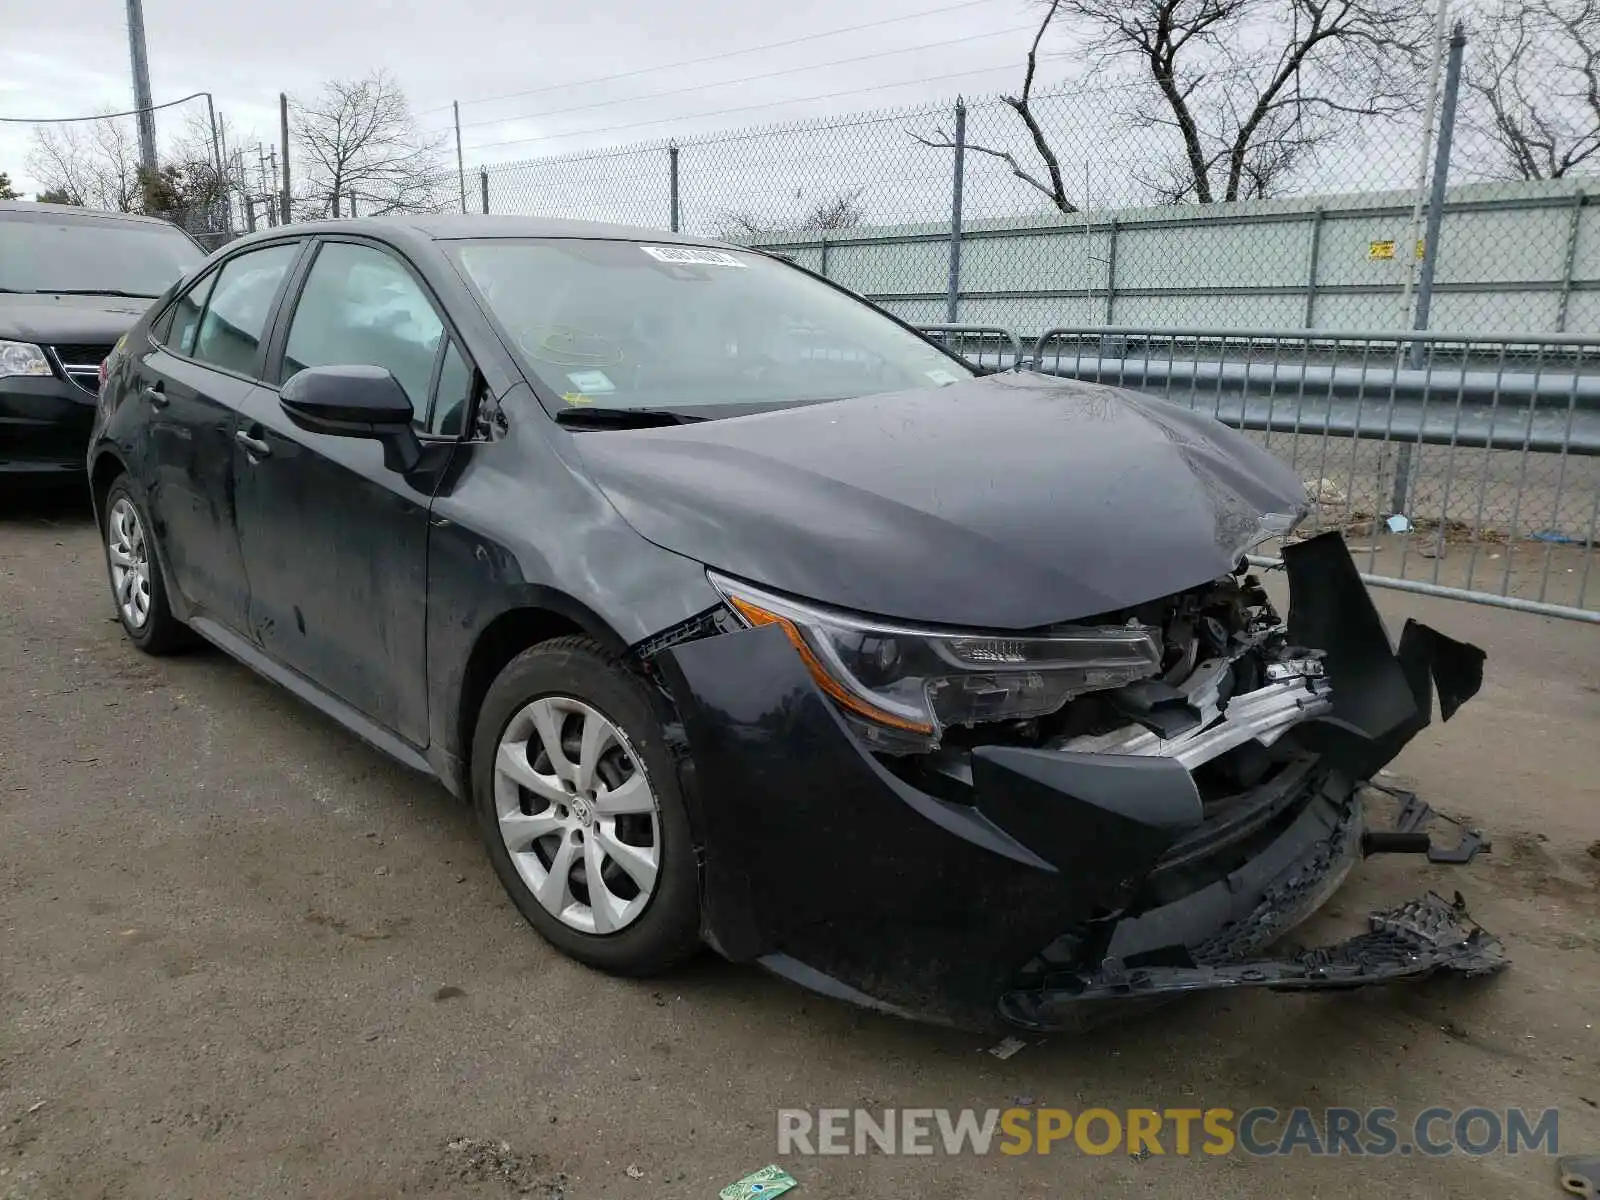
[(577, 398)]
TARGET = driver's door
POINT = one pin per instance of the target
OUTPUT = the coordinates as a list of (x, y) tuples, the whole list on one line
[(334, 542)]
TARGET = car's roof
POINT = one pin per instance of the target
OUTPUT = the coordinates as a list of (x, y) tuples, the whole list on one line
[(444, 227), (29, 207)]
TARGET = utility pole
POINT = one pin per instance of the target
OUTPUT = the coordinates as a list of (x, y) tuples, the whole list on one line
[(461, 172), (283, 131), (141, 85), (222, 169)]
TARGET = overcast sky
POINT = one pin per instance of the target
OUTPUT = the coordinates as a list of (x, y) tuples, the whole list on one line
[(70, 57)]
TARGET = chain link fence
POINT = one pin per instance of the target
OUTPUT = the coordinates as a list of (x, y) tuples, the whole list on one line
[(1061, 232), (1086, 235), (1456, 465), (1457, 462)]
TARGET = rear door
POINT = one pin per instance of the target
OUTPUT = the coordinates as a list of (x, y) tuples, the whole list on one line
[(334, 541), (193, 382)]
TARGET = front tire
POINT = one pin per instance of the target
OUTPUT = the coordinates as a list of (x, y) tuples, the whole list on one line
[(137, 587), (579, 807)]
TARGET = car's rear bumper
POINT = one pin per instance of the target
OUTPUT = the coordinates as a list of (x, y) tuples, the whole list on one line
[(44, 426), (1060, 876)]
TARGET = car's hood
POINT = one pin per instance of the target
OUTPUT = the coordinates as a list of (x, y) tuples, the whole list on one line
[(69, 319), (1007, 502)]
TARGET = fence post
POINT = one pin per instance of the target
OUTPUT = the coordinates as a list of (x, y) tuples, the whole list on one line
[(1565, 295), (483, 186), (672, 181), (953, 294), (1316, 260), (823, 270), (1111, 275), (1404, 466)]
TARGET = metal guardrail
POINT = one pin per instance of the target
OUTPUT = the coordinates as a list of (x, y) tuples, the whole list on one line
[(1465, 466), (981, 345)]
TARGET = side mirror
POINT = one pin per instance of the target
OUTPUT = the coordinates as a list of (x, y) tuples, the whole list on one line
[(355, 401)]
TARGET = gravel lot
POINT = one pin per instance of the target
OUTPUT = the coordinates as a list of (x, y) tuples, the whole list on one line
[(243, 955)]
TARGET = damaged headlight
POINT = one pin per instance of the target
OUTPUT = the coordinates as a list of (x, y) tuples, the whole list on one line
[(901, 686)]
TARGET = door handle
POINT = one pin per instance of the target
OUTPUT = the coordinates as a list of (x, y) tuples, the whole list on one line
[(254, 447), (156, 394)]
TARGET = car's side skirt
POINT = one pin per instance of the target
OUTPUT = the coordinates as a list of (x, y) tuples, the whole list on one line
[(374, 735)]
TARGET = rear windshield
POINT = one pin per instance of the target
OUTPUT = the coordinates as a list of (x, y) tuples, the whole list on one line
[(631, 325), (64, 252)]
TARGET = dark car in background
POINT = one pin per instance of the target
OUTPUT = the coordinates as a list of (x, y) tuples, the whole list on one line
[(72, 282), (745, 615)]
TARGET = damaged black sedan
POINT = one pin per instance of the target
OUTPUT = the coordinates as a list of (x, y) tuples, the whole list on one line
[(746, 616)]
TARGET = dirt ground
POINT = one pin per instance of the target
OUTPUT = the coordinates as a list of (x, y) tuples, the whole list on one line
[(241, 954)]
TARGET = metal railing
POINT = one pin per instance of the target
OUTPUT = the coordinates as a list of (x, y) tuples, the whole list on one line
[(1456, 465), (987, 346)]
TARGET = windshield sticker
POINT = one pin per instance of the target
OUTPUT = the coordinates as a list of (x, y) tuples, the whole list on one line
[(591, 381), (942, 377), (692, 256)]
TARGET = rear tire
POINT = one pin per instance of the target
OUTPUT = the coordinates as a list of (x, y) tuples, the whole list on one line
[(591, 841), (138, 589)]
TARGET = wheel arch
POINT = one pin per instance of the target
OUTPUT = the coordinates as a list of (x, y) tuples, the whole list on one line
[(108, 465), (539, 618)]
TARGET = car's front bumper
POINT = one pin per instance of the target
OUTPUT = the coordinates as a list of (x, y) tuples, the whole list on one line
[(1061, 878), (45, 425)]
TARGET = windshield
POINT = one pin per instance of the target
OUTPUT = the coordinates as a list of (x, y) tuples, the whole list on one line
[(63, 252), (630, 325)]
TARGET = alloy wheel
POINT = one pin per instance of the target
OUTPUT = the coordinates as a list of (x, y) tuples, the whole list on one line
[(129, 553), (577, 814)]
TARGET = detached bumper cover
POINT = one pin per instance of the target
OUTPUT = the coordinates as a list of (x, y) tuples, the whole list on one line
[(1413, 940), (1067, 876)]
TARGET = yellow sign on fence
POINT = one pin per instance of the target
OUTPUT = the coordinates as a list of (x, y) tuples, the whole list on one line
[(1385, 250)]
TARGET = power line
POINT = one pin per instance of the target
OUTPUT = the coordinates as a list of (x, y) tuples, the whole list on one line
[(695, 62), (132, 112), (722, 112), (697, 87)]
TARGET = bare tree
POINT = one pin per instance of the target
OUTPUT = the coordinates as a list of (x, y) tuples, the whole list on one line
[(358, 138), (841, 212), (1534, 82), (1249, 89), (1022, 105), (94, 164)]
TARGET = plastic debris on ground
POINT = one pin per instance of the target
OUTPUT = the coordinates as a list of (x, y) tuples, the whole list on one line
[(1580, 1174), (1557, 537), (1007, 1048), (1399, 523), (769, 1181)]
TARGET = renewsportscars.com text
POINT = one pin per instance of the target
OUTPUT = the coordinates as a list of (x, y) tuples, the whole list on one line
[(1142, 1132)]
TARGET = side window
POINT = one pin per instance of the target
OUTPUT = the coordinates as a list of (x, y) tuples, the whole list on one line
[(361, 307), (182, 322), (454, 396), (236, 317)]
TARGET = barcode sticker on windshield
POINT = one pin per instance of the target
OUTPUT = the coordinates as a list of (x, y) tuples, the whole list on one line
[(692, 256)]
